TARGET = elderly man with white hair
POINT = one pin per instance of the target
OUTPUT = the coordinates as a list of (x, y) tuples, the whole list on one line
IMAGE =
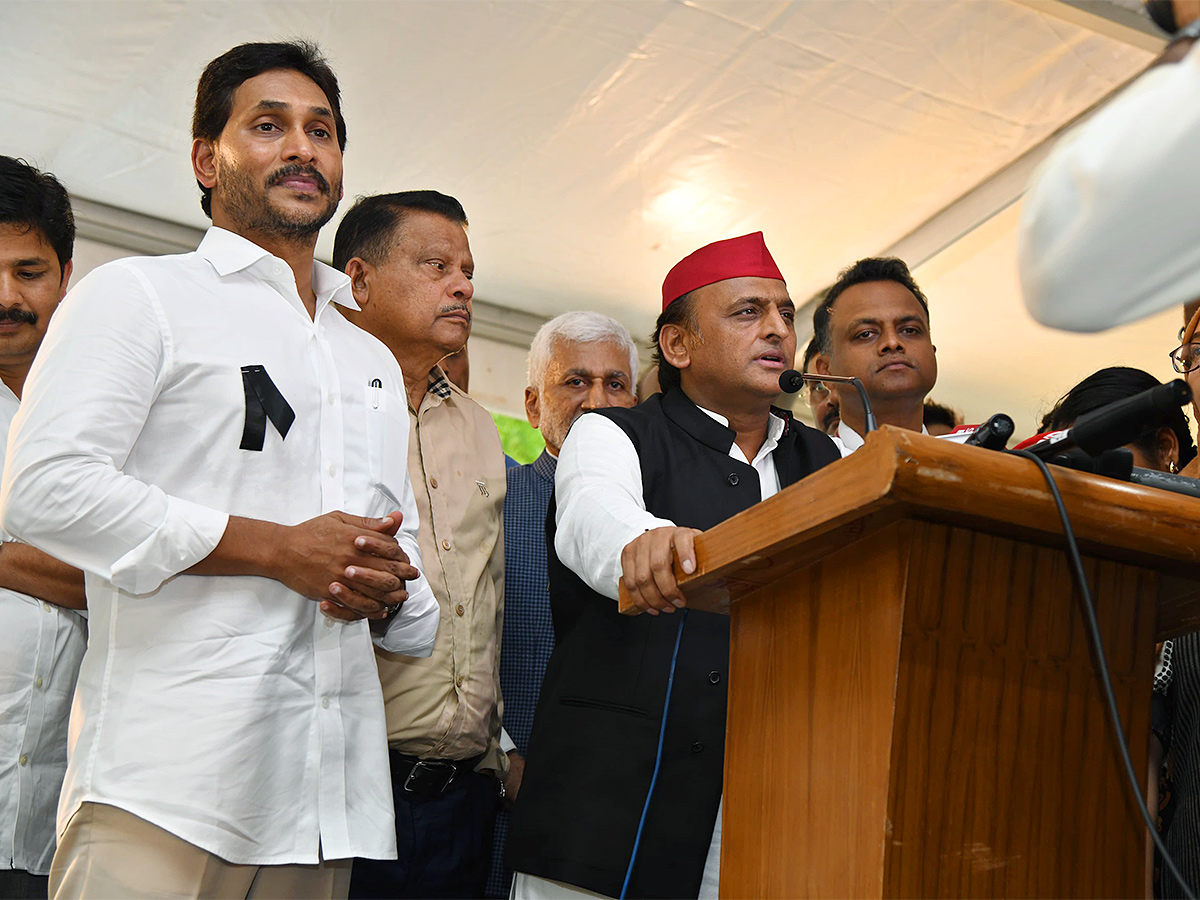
[(578, 361)]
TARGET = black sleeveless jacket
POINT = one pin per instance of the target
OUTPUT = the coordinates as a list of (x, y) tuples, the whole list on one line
[(595, 734)]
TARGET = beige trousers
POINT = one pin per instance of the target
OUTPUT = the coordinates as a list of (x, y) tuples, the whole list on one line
[(108, 853)]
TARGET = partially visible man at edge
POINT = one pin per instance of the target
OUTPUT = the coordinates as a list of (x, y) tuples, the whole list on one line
[(42, 634), (410, 268), (874, 324), (188, 434), (633, 487), (824, 403), (578, 361)]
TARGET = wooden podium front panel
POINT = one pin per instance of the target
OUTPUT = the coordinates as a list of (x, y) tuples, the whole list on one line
[(1006, 781), (917, 715), (808, 740)]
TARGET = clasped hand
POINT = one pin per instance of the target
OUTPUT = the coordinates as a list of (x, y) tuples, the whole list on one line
[(350, 564)]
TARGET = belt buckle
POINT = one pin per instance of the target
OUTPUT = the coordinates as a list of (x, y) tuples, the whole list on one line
[(434, 767)]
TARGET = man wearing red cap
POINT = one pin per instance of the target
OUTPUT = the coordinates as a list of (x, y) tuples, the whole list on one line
[(622, 787)]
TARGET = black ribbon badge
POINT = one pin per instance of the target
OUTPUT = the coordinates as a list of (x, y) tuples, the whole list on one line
[(263, 401)]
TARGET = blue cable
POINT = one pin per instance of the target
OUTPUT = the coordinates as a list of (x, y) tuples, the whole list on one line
[(662, 734)]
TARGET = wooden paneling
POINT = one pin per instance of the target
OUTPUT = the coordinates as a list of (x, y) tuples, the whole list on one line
[(917, 715)]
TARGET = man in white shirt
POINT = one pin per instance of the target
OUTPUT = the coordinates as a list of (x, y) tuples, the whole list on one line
[(222, 453), (632, 488), (42, 631), (1109, 232), (874, 324)]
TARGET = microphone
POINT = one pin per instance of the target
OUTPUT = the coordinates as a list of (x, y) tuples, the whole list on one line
[(1117, 423), (791, 380), (994, 433)]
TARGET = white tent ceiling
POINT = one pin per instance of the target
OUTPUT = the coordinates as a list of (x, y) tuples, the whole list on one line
[(594, 143)]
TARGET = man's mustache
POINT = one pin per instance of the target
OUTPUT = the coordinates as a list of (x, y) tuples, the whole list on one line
[(16, 314), (297, 169), (457, 307), (830, 415)]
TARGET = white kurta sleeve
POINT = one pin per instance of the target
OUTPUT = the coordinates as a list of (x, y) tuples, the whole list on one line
[(1109, 232), (93, 381), (600, 507), (413, 628)]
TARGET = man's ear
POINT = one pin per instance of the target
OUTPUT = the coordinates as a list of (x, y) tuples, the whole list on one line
[(204, 162), (674, 345), (360, 272), (821, 364), (533, 407), (66, 279)]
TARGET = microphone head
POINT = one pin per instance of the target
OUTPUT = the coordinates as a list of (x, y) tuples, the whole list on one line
[(790, 381)]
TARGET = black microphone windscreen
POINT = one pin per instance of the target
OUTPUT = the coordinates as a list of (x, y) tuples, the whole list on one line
[(790, 381)]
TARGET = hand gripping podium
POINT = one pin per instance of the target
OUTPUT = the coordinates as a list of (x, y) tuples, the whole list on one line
[(913, 705)]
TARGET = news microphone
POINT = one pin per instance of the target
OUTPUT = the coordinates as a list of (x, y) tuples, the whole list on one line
[(1116, 424), (993, 434), (791, 380), (1126, 420)]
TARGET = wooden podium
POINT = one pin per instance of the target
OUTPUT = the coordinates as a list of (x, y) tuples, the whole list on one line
[(913, 706)]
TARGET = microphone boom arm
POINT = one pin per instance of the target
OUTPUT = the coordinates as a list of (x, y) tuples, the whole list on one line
[(791, 380)]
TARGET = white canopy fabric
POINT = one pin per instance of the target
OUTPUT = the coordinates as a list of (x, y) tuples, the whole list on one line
[(594, 143)]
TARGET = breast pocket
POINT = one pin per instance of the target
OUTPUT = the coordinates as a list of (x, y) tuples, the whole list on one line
[(387, 442)]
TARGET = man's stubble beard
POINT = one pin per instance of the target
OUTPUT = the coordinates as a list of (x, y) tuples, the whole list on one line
[(249, 205)]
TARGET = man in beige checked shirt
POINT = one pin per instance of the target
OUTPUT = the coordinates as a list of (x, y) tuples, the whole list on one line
[(410, 268)]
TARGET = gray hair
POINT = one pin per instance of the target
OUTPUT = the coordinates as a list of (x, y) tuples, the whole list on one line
[(578, 327)]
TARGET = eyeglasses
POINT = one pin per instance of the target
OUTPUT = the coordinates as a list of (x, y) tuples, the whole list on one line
[(817, 391), (1185, 358)]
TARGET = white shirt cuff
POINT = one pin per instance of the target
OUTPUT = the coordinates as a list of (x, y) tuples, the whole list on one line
[(189, 532), (413, 629), (506, 743)]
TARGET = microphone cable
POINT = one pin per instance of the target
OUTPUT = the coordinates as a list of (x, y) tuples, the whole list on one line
[(662, 735), (1097, 642)]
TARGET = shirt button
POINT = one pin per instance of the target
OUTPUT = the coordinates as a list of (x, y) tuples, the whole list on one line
[(333, 470), (47, 607), (459, 609), (24, 760), (433, 482), (328, 622), (38, 682), (458, 681), (697, 747), (445, 545), (324, 703), (733, 478), (331, 399), (714, 677)]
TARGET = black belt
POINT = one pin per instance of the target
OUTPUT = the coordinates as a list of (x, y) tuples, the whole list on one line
[(429, 776)]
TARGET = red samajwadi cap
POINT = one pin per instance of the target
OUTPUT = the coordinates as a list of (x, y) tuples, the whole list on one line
[(740, 257)]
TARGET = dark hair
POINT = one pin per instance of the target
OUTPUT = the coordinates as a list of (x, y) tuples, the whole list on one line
[(874, 268), (372, 226), (37, 200), (1116, 383), (681, 311), (809, 352), (225, 74), (936, 414)]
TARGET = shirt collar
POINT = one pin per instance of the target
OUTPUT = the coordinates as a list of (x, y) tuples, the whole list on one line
[(228, 253), (439, 384), (546, 465), (852, 440)]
